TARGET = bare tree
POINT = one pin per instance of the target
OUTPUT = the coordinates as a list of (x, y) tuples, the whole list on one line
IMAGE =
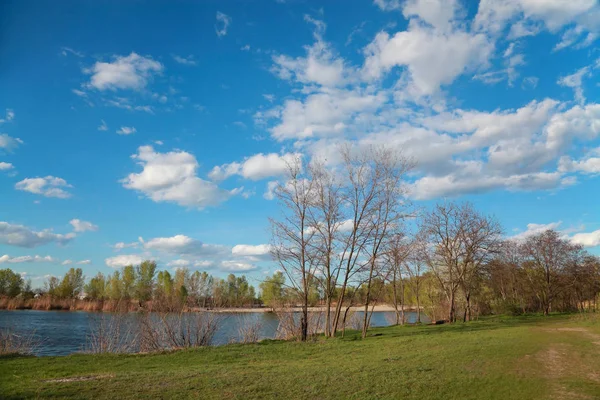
[(548, 255), (395, 257), (414, 266), (326, 218), (458, 241), (293, 236)]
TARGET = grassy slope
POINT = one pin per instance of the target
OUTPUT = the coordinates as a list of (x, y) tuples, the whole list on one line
[(500, 358)]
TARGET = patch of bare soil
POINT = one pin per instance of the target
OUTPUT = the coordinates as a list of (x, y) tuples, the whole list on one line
[(557, 361), (80, 378)]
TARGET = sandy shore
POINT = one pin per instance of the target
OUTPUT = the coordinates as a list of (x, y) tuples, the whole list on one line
[(378, 308)]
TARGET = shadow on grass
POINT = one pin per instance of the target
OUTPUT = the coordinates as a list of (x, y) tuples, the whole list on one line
[(487, 323)]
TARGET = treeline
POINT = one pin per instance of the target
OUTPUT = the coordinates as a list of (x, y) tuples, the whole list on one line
[(351, 234), (143, 285)]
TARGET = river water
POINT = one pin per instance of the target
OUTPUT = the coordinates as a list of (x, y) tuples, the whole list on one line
[(67, 332)]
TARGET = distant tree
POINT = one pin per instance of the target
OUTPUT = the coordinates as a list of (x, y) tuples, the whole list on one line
[(95, 289), (547, 257), (272, 290), (11, 283), (145, 273), (72, 283), (128, 283)]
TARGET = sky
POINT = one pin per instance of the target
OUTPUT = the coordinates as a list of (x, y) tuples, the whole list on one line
[(157, 130)]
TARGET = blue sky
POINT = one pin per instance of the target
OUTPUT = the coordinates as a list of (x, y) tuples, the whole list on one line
[(146, 129)]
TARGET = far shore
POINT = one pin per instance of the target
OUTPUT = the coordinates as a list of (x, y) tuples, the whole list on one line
[(232, 310), (377, 308)]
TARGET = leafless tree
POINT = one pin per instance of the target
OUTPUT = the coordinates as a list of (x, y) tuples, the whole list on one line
[(293, 236), (326, 218), (548, 256), (458, 240)]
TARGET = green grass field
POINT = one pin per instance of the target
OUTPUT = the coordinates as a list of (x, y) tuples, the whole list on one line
[(532, 357)]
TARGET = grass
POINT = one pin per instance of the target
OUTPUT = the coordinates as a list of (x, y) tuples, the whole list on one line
[(497, 358)]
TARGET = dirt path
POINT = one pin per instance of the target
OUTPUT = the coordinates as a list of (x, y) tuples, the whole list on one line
[(563, 362)]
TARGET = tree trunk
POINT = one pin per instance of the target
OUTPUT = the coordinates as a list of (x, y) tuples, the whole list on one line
[(365, 319)]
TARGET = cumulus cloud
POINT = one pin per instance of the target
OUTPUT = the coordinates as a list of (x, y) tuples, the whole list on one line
[(22, 236), (172, 177), (529, 17), (84, 262), (26, 259), (4, 166), (251, 250), (587, 239), (182, 244), (49, 186), (124, 72), (126, 130), (435, 48), (236, 266), (83, 226), (223, 22), (256, 167), (123, 260), (9, 143)]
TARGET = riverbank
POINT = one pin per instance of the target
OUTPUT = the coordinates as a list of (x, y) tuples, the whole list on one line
[(529, 357), (49, 304)]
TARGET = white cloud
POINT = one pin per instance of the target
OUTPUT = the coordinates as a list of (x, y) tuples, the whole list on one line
[(223, 22), (125, 72), (256, 167), (432, 57), (126, 130), (22, 236), (181, 244), (84, 262), (123, 260), (4, 166), (236, 266), (103, 126), (172, 177), (320, 65), (9, 143), (324, 114), (587, 239), (189, 60), (574, 81), (83, 226), (589, 164), (437, 13), (529, 17), (122, 245), (25, 259), (179, 263), (67, 50), (67, 262), (48, 186), (536, 229), (10, 115), (250, 250)]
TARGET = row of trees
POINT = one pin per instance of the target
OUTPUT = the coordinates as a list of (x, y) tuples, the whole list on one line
[(140, 283), (353, 232), (144, 283)]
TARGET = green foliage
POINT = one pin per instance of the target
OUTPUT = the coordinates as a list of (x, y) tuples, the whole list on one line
[(272, 290), (11, 283), (96, 287)]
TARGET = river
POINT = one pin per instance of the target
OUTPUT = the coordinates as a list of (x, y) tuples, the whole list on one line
[(67, 332)]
